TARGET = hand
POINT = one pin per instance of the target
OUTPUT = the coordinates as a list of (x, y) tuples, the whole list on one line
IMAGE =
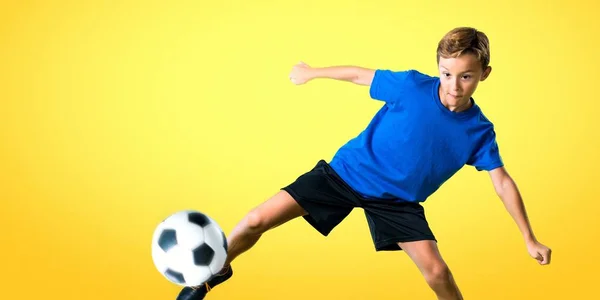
[(540, 252), (300, 73)]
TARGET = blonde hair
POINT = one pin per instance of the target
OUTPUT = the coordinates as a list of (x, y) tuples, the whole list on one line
[(465, 40)]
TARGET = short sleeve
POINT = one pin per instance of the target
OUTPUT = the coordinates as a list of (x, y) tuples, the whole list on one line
[(389, 85), (486, 156)]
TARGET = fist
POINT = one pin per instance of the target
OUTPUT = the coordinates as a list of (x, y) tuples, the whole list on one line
[(300, 73), (540, 252)]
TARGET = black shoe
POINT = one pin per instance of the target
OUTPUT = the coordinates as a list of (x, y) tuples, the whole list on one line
[(199, 292)]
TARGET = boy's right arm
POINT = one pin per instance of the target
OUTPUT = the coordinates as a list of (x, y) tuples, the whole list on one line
[(302, 73)]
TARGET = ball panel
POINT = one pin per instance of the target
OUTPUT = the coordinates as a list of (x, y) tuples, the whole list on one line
[(167, 239), (203, 255), (198, 218), (174, 276)]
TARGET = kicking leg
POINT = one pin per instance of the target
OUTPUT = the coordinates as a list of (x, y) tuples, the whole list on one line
[(427, 257), (275, 211), (318, 193)]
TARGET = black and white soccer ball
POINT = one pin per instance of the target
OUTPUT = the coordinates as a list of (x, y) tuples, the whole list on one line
[(188, 248)]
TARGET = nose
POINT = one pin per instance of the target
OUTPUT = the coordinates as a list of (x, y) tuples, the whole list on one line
[(454, 85)]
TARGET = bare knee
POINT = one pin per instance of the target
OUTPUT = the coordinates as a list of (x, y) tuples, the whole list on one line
[(437, 274), (255, 222), (277, 210)]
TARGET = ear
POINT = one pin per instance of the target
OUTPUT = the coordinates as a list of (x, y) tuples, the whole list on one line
[(486, 73)]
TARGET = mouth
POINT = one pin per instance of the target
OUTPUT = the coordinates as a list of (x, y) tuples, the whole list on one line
[(455, 96)]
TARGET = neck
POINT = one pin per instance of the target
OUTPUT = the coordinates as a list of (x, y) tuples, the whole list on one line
[(457, 108), (462, 107)]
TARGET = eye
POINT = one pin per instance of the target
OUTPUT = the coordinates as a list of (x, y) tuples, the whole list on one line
[(467, 76)]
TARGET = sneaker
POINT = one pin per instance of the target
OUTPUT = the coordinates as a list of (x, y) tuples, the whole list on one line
[(199, 292)]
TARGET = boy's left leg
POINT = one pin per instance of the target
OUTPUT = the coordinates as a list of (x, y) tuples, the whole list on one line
[(426, 256), (402, 226)]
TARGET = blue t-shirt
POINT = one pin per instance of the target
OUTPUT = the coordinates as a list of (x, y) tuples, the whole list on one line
[(414, 144)]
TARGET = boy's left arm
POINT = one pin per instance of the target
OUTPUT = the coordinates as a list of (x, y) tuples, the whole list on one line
[(508, 192)]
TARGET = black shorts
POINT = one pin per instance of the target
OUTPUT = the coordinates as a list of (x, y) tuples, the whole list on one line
[(328, 200)]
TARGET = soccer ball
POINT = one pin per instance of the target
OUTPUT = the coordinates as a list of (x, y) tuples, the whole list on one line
[(188, 248)]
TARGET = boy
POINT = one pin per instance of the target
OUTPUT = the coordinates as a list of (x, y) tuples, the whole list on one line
[(427, 129)]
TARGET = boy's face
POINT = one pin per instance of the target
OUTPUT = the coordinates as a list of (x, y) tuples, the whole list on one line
[(459, 78)]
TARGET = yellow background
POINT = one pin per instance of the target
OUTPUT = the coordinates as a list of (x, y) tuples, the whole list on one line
[(115, 114)]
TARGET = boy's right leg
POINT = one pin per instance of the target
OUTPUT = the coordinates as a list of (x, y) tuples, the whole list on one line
[(319, 195), (275, 211)]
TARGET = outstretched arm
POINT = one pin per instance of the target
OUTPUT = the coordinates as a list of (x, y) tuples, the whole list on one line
[(507, 190), (302, 73)]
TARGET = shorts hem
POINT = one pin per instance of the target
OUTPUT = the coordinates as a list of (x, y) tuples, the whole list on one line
[(391, 244), (307, 217)]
